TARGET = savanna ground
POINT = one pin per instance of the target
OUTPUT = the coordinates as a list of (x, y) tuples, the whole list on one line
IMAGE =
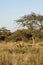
[(21, 53)]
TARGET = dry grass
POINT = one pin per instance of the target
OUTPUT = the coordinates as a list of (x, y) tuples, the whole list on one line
[(21, 53)]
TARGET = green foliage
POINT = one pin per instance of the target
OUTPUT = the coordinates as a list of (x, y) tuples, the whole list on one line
[(4, 33), (20, 35)]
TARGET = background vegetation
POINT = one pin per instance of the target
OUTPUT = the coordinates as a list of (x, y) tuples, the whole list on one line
[(23, 46)]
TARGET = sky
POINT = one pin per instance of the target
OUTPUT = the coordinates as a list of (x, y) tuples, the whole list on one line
[(11, 10)]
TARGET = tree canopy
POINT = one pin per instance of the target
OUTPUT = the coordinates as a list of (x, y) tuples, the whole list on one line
[(31, 21)]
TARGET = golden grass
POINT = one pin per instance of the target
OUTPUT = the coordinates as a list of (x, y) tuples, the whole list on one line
[(21, 53)]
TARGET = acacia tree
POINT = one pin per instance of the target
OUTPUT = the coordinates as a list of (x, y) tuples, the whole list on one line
[(32, 22), (5, 32)]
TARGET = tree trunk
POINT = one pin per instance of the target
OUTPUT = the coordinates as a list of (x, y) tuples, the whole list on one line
[(33, 40)]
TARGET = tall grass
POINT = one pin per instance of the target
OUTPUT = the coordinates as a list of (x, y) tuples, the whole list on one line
[(21, 53)]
